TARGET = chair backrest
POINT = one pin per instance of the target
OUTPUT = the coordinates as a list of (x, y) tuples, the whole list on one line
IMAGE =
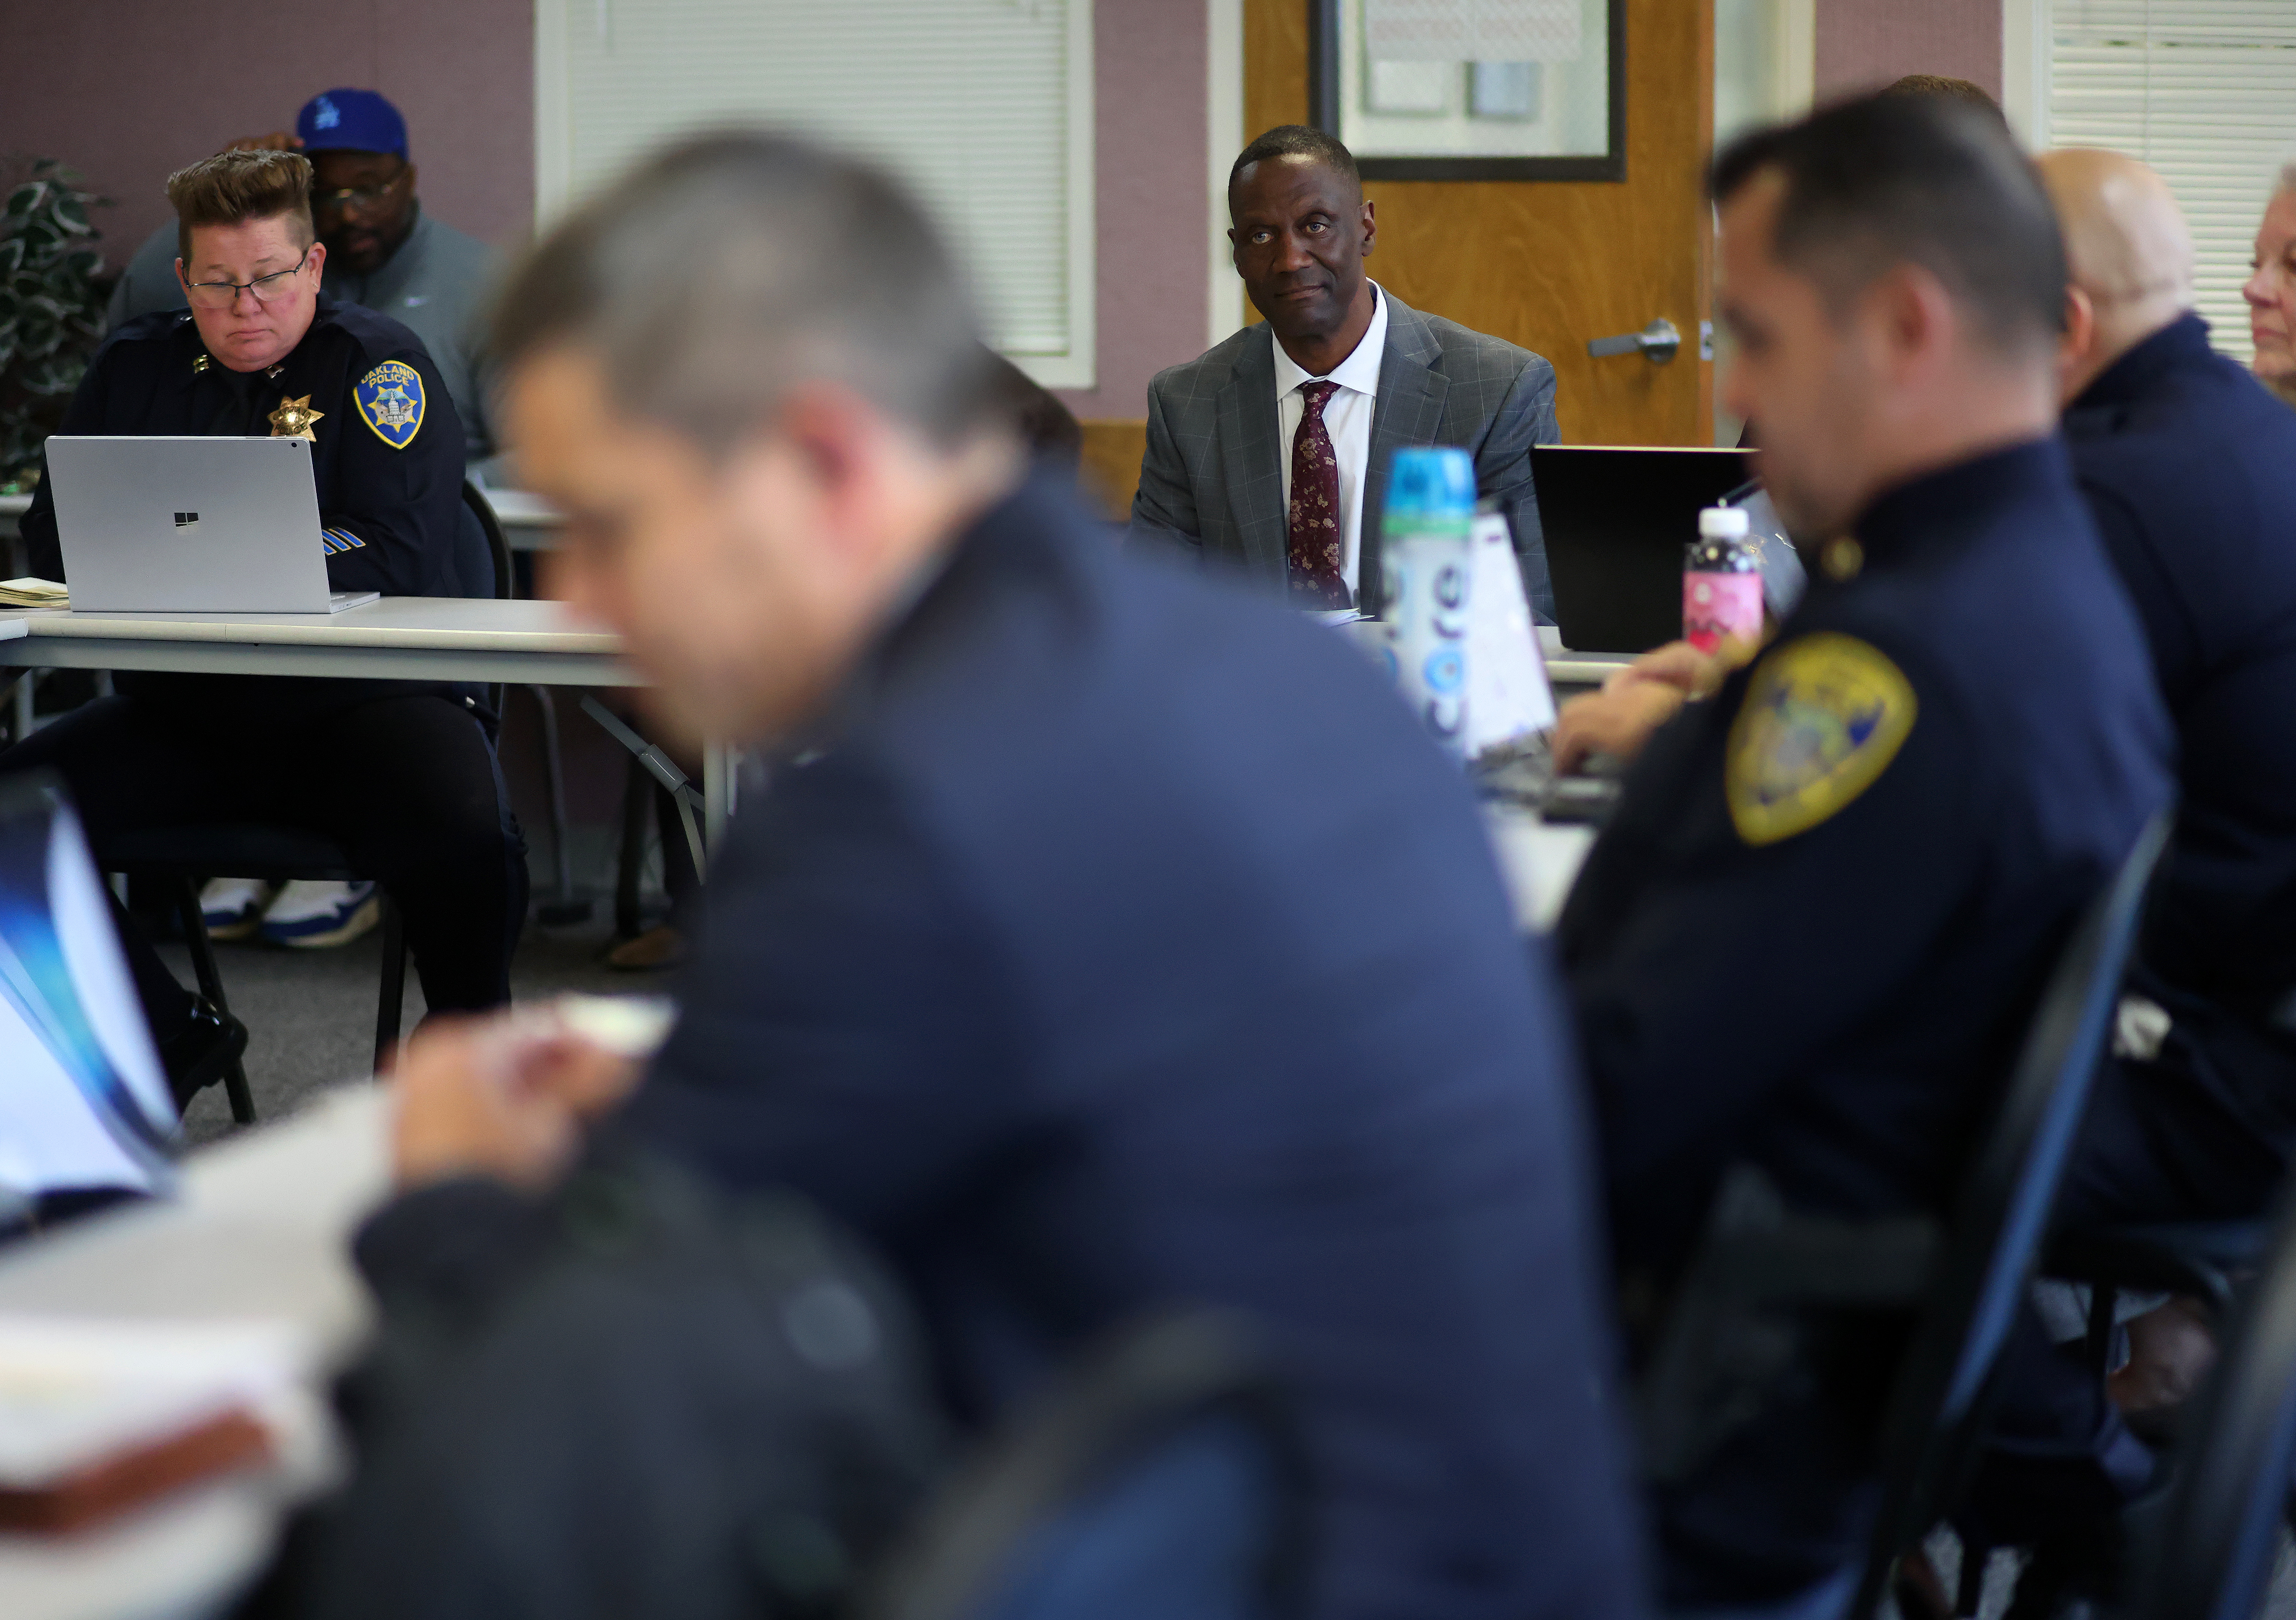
[(2205, 1550), (482, 554), (1941, 1398), (482, 562), (1164, 1479)]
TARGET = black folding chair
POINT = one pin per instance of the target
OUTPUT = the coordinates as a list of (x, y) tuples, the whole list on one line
[(1965, 1283), (1165, 1478), (2201, 1260), (2204, 1550)]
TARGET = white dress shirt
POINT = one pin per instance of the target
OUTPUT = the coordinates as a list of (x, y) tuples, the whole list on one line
[(1347, 418)]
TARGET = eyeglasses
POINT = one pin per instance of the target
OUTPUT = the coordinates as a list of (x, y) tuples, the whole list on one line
[(359, 197), (267, 289)]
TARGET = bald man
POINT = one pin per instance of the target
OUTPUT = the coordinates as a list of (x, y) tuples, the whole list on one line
[(2189, 467)]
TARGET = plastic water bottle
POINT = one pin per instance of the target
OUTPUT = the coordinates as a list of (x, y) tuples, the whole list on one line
[(1427, 566), (1722, 583)]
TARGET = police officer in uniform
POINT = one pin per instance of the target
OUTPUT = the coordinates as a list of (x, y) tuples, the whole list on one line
[(1899, 805), (400, 774), (1078, 987), (2190, 468), (384, 249)]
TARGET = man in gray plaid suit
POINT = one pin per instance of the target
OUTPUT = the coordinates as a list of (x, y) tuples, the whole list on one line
[(1271, 452)]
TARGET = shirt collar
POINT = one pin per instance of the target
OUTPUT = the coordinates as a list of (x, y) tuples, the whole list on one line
[(2132, 375), (1962, 496), (1359, 371)]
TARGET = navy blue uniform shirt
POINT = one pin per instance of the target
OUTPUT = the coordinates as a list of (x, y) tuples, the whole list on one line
[(1128, 944), (2189, 466), (389, 509), (1774, 962)]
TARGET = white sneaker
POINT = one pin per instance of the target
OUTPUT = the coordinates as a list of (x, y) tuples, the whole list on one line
[(311, 915), (232, 907)]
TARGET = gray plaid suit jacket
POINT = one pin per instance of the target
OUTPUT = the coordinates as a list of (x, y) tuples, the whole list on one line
[(1211, 481)]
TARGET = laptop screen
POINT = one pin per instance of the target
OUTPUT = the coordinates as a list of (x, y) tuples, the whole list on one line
[(84, 1102), (1616, 522)]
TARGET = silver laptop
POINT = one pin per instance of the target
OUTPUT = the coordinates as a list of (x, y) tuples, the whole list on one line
[(186, 524)]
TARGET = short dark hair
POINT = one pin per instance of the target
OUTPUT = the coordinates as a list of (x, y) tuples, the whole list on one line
[(1952, 89), (232, 187), (1886, 179), (717, 274), (1297, 141)]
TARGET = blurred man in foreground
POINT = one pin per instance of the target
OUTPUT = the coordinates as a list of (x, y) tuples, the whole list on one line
[(1901, 803), (1081, 969)]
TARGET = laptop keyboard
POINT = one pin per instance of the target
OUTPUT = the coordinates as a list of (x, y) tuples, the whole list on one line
[(1522, 773)]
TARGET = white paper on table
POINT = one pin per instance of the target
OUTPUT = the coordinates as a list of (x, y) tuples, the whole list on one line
[(75, 1391), (1507, 693)]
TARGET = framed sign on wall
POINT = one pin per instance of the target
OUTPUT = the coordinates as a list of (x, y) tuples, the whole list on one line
[(1473, 89)]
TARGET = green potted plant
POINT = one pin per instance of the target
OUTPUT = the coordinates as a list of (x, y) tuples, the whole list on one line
[(50, 312)]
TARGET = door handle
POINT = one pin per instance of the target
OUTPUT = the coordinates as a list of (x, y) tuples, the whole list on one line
[(1658, 342)]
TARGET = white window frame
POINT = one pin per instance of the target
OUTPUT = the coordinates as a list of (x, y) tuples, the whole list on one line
[(2025, 70), (1076, 368)]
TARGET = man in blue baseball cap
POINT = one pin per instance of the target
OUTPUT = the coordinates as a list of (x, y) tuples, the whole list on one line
[(383, 249)]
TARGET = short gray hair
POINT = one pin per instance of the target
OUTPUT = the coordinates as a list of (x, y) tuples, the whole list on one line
[(717, 274), (2287, 177)]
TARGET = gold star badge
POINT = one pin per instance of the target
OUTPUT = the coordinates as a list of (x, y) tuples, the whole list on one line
[(293, 419)]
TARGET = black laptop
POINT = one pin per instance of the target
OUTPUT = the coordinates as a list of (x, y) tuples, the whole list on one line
[(1617, 520)]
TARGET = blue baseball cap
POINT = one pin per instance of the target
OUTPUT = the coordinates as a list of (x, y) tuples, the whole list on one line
[(351, 120)]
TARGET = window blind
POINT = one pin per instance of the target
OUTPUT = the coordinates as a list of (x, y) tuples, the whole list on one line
[(983, 107), (2202, 90)]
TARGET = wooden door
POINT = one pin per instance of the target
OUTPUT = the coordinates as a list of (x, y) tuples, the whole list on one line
[(1551, 264)]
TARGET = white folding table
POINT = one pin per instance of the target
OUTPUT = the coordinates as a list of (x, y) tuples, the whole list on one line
[(258, 1233), (405, 638)]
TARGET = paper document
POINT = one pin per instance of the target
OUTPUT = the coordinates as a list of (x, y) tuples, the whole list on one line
[(33, 593)]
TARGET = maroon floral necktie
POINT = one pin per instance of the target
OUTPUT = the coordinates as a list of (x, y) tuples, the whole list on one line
[(1313, 548)]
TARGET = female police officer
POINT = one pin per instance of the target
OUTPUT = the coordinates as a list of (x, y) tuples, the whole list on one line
[(400, 774)]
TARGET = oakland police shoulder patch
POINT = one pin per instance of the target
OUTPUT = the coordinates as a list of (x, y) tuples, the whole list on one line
[(1822, 719), (389, 400)]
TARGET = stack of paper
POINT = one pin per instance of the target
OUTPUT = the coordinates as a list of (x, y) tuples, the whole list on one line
[(33, 593)]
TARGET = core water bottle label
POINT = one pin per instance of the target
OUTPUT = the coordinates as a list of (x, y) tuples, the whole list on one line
[(1430, 562), (1717, 607), (1429, 585)]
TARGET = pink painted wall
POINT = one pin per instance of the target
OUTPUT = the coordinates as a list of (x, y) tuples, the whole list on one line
[(1862, 44), (1149, 132), (127, 91)]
